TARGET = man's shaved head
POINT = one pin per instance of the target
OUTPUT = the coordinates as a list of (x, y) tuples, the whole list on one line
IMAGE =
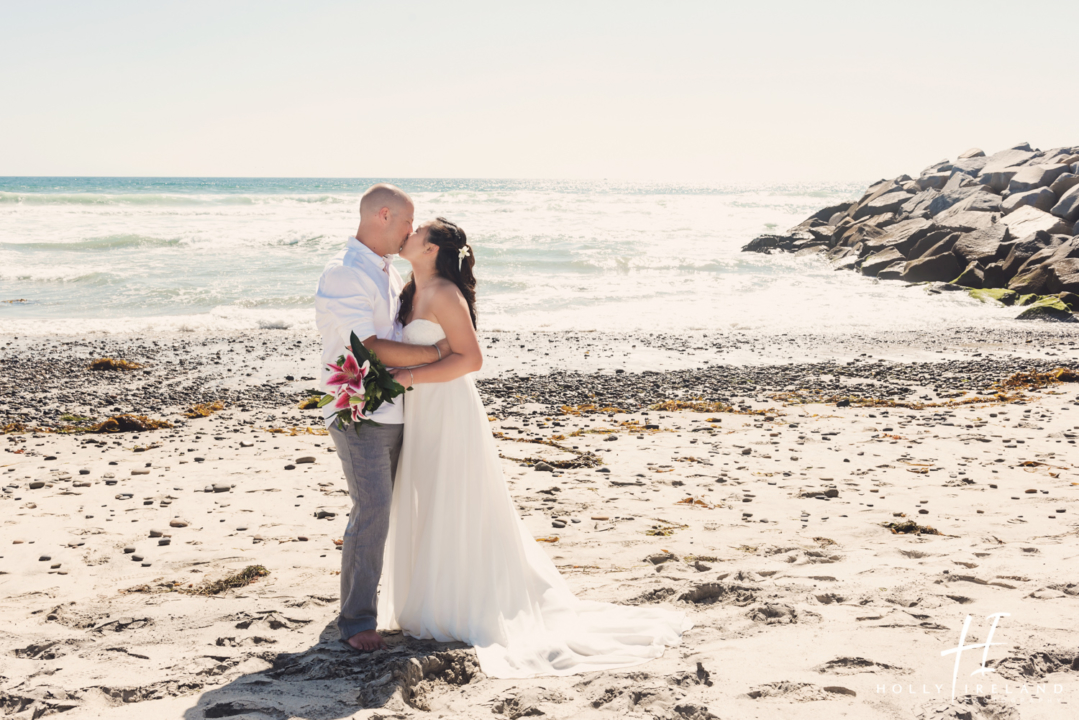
[(383, 196), (386, 215)]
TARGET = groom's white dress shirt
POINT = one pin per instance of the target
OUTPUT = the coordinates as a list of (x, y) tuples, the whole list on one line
[(359, 292)]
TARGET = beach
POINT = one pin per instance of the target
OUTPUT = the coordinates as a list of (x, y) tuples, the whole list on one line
[(747, 479)]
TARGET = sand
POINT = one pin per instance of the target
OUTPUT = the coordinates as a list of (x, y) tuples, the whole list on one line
[(768, 528)]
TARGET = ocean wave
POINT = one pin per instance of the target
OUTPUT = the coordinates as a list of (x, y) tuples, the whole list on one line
[(59, 274), (97, 244)]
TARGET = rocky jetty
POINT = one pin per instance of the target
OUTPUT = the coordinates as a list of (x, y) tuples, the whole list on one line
[(1003, 227)]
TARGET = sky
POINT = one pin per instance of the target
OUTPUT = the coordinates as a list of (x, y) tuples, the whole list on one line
[(710, 92)]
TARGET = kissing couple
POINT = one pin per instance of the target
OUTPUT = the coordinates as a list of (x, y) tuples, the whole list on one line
[(432, 517)]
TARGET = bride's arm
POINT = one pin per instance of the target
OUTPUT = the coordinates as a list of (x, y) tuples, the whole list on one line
[(465, 355)]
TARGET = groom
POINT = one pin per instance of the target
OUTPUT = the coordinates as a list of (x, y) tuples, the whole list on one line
[(358, 293)]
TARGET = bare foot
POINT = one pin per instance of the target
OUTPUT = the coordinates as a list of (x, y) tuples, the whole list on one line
[(368, 640)]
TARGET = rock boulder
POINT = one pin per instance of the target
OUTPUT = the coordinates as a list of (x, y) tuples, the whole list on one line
[(1027, 220), (973, 276), (1041, 198), (888, 202), (1067, 208), (937, 241), (1032, 177), (982, 246), (876, 262), (940, 268), (1064, 183)]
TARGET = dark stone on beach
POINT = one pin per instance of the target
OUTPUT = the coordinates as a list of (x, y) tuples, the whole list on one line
[(219, 488), (543, 467), (943, 268), (36, 484), (129, 550)]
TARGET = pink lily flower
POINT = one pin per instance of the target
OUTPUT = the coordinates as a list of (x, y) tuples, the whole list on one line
[(344, 395), (349, 374), (356, 407)]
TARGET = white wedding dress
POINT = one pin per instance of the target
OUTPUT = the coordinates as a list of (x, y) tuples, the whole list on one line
[(461, 565)]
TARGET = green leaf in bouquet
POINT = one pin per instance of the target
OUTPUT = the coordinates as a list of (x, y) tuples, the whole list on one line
[(362, 353), (326, 400)]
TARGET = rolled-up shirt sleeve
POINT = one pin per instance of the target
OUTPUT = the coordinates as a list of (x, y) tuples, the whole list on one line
[(345, 304)]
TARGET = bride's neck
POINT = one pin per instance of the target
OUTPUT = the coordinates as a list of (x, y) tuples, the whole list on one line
[(423, 276)]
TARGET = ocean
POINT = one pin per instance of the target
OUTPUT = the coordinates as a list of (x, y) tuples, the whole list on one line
[(217, 255)]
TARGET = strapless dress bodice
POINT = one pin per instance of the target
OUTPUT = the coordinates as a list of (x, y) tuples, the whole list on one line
[(422, 332)]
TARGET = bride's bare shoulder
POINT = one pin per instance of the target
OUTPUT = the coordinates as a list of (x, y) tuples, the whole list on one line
[(446, 291)]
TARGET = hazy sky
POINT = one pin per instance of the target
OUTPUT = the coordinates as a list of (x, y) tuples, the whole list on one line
[(694, 91)]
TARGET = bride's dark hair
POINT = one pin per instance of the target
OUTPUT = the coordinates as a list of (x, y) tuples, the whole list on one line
[(450, 239)]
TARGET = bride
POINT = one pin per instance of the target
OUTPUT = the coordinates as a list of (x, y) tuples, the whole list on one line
[(459, 562)]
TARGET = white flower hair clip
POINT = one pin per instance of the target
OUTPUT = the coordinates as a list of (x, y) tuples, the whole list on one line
[(461, 255)]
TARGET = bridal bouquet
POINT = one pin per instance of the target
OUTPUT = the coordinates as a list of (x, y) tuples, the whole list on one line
[(359, 390)]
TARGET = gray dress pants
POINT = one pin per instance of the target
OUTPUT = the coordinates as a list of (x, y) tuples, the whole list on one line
[(369, 460)]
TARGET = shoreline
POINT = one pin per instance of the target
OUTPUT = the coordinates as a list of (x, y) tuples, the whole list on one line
[(272, 370)]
